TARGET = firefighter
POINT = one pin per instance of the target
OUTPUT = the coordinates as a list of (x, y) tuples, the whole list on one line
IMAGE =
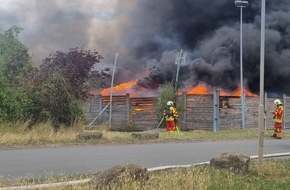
[(175, 115), (278, 119), (168, 114)]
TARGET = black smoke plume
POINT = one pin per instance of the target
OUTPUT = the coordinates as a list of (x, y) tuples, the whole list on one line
[(209, 31), (148, 34)]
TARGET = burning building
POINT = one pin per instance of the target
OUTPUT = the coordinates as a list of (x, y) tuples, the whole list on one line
[(208, 31)]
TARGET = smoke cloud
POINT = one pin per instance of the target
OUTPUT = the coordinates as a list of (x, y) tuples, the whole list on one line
[(148, 34)]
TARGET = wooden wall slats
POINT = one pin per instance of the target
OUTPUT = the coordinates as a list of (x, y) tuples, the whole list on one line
[(198, 112)]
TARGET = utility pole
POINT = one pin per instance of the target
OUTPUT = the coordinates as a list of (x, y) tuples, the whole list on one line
[(179, 60)]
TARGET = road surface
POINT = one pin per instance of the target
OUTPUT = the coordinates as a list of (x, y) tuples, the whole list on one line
[(45, 162)]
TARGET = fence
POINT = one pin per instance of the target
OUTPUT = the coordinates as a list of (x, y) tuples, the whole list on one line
[(196, 112)]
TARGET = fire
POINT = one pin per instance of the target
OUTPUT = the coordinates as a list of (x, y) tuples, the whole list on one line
[(202, 89), (119, 89), (127, 87), (237, 92)]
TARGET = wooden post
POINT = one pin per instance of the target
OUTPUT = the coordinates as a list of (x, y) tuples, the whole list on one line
[(100, 105), (128, 103), (184, 110), (90, 106)]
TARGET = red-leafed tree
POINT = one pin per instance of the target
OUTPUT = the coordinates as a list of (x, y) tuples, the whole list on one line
[(74, 66), (60, 84)]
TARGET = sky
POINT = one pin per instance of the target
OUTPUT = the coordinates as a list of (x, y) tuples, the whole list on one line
[(51, 25), (148, 34)]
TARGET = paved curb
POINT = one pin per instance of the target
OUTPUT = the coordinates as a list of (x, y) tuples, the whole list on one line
[(48, 185)]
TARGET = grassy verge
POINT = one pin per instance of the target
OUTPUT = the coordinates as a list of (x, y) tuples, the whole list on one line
[(275, 174), (19, 135)]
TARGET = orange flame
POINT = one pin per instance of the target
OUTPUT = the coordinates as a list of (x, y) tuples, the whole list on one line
[(119, 89), (202, 89), (127, 87)]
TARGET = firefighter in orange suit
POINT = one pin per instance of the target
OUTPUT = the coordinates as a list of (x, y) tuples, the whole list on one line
[(169, 115), (278, 119), (175, 115)]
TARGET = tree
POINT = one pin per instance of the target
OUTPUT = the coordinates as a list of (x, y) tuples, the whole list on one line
[(75, 66), (14, 67), (61, 84), (166, 94)]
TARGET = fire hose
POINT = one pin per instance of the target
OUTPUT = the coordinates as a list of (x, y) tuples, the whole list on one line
[(159, 123)]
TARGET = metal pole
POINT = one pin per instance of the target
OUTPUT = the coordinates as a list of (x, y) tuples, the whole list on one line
[(241, 68), (261, 106), (265, 110), (216, 111), (111, 93), (178, 67), (284, 112), (99, 114)]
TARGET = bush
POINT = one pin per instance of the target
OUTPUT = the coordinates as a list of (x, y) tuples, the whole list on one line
[(166, 94)]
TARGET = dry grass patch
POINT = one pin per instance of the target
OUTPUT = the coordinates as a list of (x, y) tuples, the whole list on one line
[(40, 134), (43, 134)]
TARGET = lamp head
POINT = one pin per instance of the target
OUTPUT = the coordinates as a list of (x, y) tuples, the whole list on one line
[(239, 3)]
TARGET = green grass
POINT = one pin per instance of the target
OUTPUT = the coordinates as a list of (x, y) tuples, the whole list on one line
[(274, 175)]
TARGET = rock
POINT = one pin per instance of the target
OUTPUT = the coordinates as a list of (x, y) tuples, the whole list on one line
[(111, 177), (238, 163), (145, 135), (90, 135)]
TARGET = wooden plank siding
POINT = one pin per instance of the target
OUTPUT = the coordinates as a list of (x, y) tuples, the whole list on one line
[(119, 111), (251, 112), (230, 112), (143, 113), (196, 112), (287, 112), (269, 107), (199, 112)]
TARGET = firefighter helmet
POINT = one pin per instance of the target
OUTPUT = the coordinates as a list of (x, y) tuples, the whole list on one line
[(169, 103), (277, 102)]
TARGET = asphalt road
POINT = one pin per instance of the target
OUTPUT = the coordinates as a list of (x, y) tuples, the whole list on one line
[(45, 162)]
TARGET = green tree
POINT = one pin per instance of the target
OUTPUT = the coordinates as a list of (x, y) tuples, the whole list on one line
[(14, 67), (166, 94)]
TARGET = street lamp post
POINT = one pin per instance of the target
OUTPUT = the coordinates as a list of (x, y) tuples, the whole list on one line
[(261, 103), (241, 5)]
